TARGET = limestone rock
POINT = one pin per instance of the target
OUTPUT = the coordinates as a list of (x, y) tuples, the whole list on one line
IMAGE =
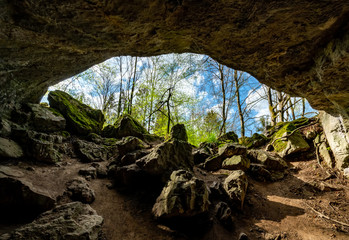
[(44, 120), (325, 152), (79, 190), (9, 149), (337, 136), (294, 143), (81, 119), (5, 128), (167, 157), (213, 162), (90, 152), (228, 137), (130, 144), (40, 146), (231, 149), (235, 186), (200, 155), (179, 132), (20, 200), (68, 221), (228, 150), (269, 160), (125, 126), (237, 162), (183, 196)]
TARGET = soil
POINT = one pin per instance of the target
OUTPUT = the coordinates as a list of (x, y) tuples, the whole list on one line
[(292, 208)]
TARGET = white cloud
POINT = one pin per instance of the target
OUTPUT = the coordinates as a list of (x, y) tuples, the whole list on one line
[(259, 104)]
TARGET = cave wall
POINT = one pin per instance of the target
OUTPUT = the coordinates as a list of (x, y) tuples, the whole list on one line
[(300, 47)]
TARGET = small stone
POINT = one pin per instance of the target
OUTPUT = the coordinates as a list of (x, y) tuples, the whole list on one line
[(79, 190), (243, 236)]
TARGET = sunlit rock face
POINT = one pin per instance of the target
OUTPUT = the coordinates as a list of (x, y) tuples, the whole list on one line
[(300, 47)]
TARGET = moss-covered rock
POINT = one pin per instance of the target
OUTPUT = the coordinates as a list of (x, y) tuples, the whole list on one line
[(290, 145), (237, 162), (255, 141), (123, 127), (81, 119)]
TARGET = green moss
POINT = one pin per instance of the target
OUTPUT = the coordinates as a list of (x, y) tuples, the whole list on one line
[(55, 112), (300, 122), (280, 145), (82, 118), (65, 134)]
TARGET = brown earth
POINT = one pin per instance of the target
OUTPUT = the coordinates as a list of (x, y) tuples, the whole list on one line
[(288, 209)]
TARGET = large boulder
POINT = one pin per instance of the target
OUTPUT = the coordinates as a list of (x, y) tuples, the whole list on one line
[(337, 134), (20, 200), (167, 157), (79, 190), (90, 152), (271, 161), (291, 144), (324, 151), (69, 221), (183, 196), (227, 150), (235, 185), (123, 127), (44, 120), (81, 119), (236, 162), (9, 149)]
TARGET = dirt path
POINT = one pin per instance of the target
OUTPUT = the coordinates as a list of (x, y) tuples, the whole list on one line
[(284, 208)]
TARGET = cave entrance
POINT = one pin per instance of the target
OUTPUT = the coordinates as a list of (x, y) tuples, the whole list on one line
[(209, 98)]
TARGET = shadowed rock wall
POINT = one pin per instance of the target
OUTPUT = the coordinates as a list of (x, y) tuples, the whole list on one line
[(300, 47)]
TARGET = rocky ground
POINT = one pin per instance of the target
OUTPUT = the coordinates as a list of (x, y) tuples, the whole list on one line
[(288, 209), (63, 176)]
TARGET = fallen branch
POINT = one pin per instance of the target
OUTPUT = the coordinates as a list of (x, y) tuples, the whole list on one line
[(327, 217)]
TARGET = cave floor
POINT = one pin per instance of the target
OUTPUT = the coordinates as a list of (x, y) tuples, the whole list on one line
[(311, 202)]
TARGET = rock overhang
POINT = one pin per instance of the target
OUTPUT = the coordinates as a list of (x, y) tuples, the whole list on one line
[(299, 47)]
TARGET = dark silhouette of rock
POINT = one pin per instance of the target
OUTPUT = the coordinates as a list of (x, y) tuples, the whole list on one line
[(68, 221), (19, 200), (179, 132)]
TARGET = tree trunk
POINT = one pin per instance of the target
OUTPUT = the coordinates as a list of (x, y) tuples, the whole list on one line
[(303, 107), (119, 104), (237, 87), (224, 117), (271, 107), (133, 88)]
